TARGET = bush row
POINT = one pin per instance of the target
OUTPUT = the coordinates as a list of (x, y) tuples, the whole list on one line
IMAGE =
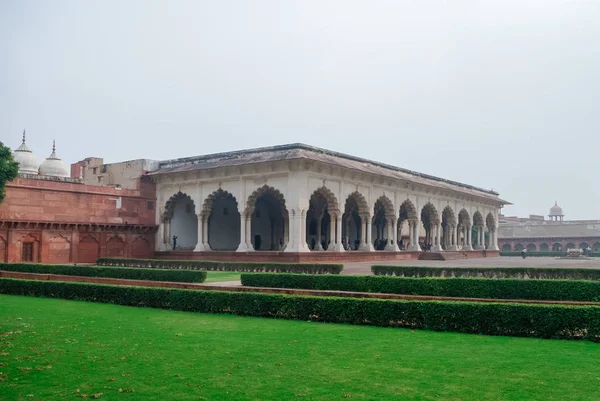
[(184, 276), (488, 272), (545, 321), (555, 290), (224, 266)]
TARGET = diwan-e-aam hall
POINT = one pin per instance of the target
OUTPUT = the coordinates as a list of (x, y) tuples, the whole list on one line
[(296, 199)]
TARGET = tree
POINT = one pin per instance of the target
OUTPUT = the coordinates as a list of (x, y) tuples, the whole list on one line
[(8, 168)]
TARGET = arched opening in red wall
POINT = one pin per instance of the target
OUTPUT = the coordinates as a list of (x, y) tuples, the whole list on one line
[(115, 248), (88, 250), (140, 248)]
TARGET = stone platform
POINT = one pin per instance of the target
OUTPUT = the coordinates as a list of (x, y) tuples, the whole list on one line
[(316, 257)]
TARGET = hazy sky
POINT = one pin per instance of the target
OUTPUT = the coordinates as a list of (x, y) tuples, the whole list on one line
[(499, 94)]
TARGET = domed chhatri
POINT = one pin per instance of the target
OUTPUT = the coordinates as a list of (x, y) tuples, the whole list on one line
[(54, 166), (28, 163), (556, 212)]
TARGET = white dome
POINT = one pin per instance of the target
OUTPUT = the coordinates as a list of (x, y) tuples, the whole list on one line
[(54, 166), (556, 210), (28, 163)]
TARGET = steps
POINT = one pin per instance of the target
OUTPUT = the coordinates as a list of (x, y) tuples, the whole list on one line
[(448, 255)]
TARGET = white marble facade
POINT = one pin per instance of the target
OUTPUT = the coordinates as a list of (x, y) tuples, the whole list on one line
[(303, 204)]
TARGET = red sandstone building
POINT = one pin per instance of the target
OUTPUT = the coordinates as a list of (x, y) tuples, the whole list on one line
[(537, 234), (49, 217)]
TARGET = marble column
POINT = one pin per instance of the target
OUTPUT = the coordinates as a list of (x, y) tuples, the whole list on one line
[(369, 236), (332, 224), (414, 236), (481, 232), (494, 239), (454, 242), (438, 243), (200, 244), (338, 247), (286, 232), (318, 246), (363, 234), (391, 245), (469, 241), (245, 241), (205, 233)]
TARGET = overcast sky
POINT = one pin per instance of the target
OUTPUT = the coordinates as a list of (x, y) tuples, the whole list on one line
[(499, 94)]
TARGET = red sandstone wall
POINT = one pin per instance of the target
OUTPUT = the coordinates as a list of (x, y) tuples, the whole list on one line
[(123, 232), (40, 200)]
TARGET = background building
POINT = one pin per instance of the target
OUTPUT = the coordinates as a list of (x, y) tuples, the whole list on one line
[(49, 217), (536, 234), (281, 200)]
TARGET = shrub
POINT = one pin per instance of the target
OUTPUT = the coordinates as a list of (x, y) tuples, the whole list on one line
[(557, 290), (183, 276), (488, 272), (224, 266), (545, 321)]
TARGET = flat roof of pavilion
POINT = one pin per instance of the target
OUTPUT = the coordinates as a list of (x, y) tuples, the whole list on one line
[(297, 151)]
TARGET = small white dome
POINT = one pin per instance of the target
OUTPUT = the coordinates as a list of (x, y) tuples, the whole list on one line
[(54, 166), (556, 210), (28, 163)]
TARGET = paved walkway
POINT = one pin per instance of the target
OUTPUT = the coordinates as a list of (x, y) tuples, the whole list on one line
[(365, 267)]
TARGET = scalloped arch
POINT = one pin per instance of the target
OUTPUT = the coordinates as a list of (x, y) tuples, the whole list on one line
[(385, 203), (361, 203), (434, 217), (218, 194), (330, 199), (170, 205), (408, 210), (477, 219), (448, 215), (265, 189)]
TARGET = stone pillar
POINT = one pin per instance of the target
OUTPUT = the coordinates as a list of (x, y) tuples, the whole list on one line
[(392, 244), (494, 239), (368, 245), (347, 237), (297, 230), (413, 235), (205, 234), (480, 235), (454, 242), (338, 246), (363, 234), (318, 246), (286, 232), (245, 223), (200, 244), (468, 239), (168, 233), (332, 227), (438, 240)]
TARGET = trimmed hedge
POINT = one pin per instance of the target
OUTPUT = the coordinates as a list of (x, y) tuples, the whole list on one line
[(544, 321), (550, 290), (488, 272), (182, 276), (309, 268)]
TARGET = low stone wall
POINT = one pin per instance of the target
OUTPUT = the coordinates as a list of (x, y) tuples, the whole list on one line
[(312, 257)]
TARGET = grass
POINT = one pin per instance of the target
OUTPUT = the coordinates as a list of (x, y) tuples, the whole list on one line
[(61, 350), (215, 277)]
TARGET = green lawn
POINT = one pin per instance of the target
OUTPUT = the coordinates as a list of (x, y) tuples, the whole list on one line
[(60, 350), (214, 277)]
